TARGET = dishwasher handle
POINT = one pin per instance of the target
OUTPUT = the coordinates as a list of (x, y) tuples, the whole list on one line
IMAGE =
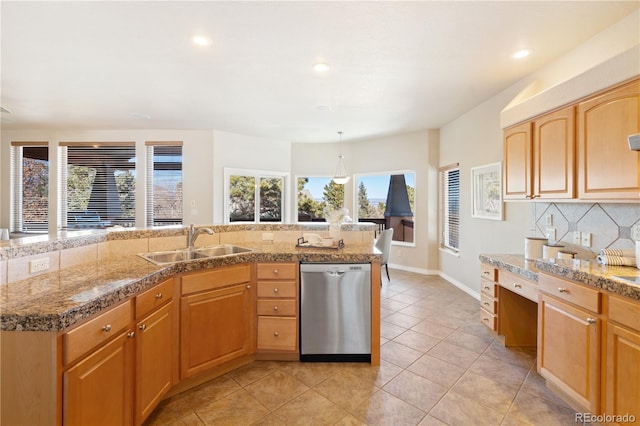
[(336, 273)]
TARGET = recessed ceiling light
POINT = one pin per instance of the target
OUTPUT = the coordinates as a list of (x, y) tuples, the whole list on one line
[(201, 40), (140, 116), (522, 53), (324, 108), (321, 67)]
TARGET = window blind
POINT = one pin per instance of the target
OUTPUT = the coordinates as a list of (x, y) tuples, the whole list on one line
[(29, 209), (164, 202), (97, 184), (450, 207)]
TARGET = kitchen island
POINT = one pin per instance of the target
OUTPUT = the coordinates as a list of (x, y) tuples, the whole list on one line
[(128, 297)]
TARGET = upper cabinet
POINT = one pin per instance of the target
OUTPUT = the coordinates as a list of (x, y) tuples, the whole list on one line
[(607, 168), (583, 147), (539, 157)]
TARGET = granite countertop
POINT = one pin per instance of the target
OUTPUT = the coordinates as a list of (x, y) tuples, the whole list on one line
[(591, 273), (57, 300)]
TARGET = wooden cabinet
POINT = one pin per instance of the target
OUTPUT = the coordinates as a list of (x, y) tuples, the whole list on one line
[(539, 157), (98, 389), (518, 310), (217, 314), (607, 168), (156, 354), (554, 155), (569, 343), (517, 162), (489, 296), (622, 369), (277, 307)]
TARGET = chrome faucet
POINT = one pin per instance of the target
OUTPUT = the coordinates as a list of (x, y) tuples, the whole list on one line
[(193, 233)]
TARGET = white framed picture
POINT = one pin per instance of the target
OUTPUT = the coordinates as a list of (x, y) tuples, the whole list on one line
[(487, 191)]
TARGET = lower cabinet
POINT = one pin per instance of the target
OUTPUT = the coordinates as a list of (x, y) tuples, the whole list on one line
[(98, 390), (217, 319)]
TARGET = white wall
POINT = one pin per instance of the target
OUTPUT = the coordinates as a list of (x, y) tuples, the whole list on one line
[(413, 151)]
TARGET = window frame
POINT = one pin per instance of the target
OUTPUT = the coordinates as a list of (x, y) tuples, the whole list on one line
[(356, 207), (445, 223), (16, 209), (149, 177), (257, 174), (296, 212)]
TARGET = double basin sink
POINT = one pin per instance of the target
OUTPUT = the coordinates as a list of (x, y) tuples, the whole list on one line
[(201, 253)]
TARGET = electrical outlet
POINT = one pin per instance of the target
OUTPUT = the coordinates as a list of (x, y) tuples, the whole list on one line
[(586, 239), (551, 234), (635, 232), (38, 265), (577, 237), (267, 236), (550, 220)]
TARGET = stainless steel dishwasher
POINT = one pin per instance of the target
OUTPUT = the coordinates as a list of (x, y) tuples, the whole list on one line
[(335, 312)]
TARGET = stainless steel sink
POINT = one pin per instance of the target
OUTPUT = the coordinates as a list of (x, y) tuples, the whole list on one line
[(174, 256)]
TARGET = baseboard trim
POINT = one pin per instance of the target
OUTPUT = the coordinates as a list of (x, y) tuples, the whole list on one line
[(456, 283)]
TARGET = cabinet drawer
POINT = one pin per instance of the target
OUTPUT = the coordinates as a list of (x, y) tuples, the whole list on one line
[(489, 320), (519, 285), (276, 333), (212, 279), (625, 312), (277, 271), (571, 292), (490, 288), (277, 307), (271, 289), (89, 335), (488, 272), (154, 297), (489, 304)]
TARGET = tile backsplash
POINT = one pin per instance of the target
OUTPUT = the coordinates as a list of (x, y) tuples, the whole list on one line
[(612, 225)]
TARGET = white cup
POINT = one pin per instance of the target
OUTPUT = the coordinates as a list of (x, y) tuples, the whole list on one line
[(551, 251)]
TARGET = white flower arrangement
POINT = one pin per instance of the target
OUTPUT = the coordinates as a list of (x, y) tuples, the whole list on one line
[(337, 216)]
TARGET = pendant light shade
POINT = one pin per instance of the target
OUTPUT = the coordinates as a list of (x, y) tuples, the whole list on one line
[(340, 176)]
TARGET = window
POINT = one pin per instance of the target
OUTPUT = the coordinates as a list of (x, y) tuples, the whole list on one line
[(388, 200), (30, 186), (254, 196), (450, 208), (316, 196), (97, 182), (164, 183)]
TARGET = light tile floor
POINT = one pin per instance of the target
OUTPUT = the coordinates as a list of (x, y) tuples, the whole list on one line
[(440, 366)]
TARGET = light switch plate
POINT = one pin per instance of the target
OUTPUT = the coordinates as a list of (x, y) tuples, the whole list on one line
[(38, 265), (586, 239), (551, 234), (577, 237)]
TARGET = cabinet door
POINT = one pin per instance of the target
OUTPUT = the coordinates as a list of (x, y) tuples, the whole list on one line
[(569, 350), (622, 372), (607, 168), (99, 389), (154, 360), (517, 162), (554, 155), (215, 327)]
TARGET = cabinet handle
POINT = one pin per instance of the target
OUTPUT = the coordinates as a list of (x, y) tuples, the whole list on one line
[(486, 319), (487, 287), (591, 320), (159, 296), (106, 328), (275, 333), (248, 286), (485, 272), (275, 272), (516, 285), (275, 308), (131, 334), (562, 290), (142, 327), (486, 303), (275, 290)]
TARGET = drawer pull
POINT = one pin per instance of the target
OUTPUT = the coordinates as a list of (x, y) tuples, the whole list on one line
[(486, 303), (562, 290), (486, 319), (516, 285), (275, 333), (275, 290), (106, 328), (275, 272), (159, 296), (485, 272), (275, 308), (591, 320), (142, 327), (248, 286), (131, 334), (486, 287)]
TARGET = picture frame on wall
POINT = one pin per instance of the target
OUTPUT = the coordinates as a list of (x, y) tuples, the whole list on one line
[(487, 191)]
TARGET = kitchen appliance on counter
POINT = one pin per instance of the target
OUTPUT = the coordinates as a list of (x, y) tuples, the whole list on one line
[(335, 312)]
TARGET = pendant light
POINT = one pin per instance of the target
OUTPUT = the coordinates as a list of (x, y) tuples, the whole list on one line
[(341, 172)]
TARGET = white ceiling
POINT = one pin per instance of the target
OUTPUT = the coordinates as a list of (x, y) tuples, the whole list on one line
[(396, 67)]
